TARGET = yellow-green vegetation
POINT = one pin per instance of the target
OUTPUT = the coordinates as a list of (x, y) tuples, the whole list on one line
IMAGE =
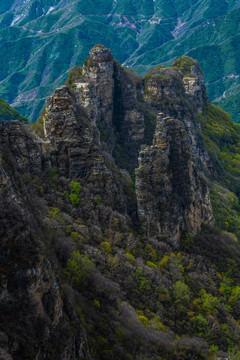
[(105, 248), (200, 325), (143, 283), (129, 256), (181, 292), (75, 189), (77, 238), (79, 269), (54, 213), (184, 64), (222, 140), (75, 74)]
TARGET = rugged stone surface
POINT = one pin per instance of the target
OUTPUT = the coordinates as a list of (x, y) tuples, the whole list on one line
[(172, 196), (33, 314), (109, 95), (22, 148)]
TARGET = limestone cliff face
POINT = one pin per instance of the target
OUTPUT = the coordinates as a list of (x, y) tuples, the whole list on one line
[(171, 191), (21, 147), (172, 195), (72, 145), (109, 95)]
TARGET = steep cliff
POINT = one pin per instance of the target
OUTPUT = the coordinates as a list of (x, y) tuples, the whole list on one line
[(172, 195), (102, 205)]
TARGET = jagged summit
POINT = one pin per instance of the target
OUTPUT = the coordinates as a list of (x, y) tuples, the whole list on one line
[(149, 128), (100, 53)]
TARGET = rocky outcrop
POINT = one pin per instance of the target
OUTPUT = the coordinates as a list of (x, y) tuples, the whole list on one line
[(74, 148), (172, 196), (21, 146), (95, 121), (108, 92)]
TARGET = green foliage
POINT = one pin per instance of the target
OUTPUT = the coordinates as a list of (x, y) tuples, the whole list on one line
[(163, 262), (200, 324), (74, 75), (151, 253), (186, 240), (156, 325), (222, 139), (77, 238), (79, 269), (181, 292), (53, 212), (105, 248), (75, 189), (98, 199), (52, 173), (143, 320), (74, 199), (129, 256), (184, 64), (144, 285), (7, 113), (207, 303), (96, 303), (121, 335), (151, 264), (235, 353)]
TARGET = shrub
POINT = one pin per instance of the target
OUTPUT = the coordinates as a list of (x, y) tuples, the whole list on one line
[(53, 213), (181, 291), (144, 285), (163, 262), (98, 199), (79, 269), (121, 335), (151, 252), (151, 264), (75, 189), (200, 324), (155, 324), (105, 248), (52, 173), (186, 241), (143, 320), (130, 256)]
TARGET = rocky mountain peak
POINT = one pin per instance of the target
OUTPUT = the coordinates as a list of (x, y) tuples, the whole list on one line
[(101, 54), (103, 108)]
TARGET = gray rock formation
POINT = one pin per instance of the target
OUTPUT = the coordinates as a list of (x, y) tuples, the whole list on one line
[(172, 196)]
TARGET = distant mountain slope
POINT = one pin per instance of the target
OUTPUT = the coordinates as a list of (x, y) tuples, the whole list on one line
[(8, 113), (41, 40)]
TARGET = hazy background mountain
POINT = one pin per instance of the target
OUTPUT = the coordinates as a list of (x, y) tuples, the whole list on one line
[(42, 39)]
